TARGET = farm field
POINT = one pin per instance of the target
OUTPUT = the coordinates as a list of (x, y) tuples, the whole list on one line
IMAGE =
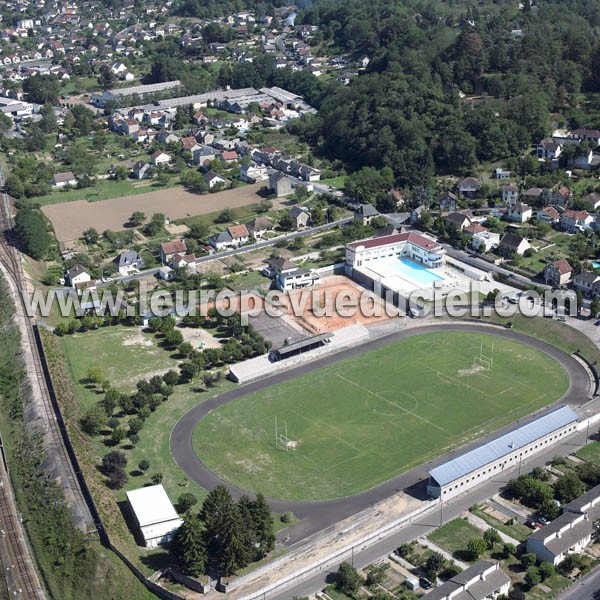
[(364, 420), (71, 219)]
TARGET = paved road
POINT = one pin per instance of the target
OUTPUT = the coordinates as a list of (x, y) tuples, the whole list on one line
[(361, 556), (587, 588), (317, 516), (243, 249)]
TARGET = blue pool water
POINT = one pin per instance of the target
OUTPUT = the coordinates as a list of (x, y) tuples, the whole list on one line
[(596, 264), (413, 271)]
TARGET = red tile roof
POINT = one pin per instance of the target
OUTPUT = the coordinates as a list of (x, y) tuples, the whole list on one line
[(173, 247), (411, 237), (562, 266)]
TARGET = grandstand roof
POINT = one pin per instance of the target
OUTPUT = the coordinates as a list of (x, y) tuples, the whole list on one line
[(503, 445), (309, 341)]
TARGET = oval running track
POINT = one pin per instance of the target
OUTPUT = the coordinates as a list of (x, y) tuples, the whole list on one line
[(318, 515)]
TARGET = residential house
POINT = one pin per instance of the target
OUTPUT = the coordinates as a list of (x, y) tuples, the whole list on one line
[(160, 158), (233, 236), (77, 275), (586, 135), (168, 250), (189, 144), (259, 227), (457, 220), (365, 214), (569, 533), (213, 179), (474, 227), (278, 266), (533, 196), (502, 174), (297, 279), (300, 215), (558, 273), (204, 155), (60, 180), (448, 202), (128, 261), (561, 197), (511, 243), (549, 149), (587, 283), (280, 184), (575, 220), (140, 169), (469, 186), (166, 273), (484, 241), (229, 156), (548, 215), (510, 194), (164, 136), (591, 201), (186, 261), (482, 581), (251, 173), (519, 212)]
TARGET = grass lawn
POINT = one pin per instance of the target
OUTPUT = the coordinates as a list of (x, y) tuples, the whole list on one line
[(553, 332), (368, 418), (454, 535), (556, 583), (125, 354), (103, 190), (336, 182), (591, 452), (516, 531)]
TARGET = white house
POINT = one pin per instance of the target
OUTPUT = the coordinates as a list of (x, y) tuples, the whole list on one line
[(483, 580), (77, 275), (519, 212), (510, 243), (251, 173), (484, 241), (160, 158), (60, 180), (168, 250), (155, 517), (510, 193), (586, 282), (576, 220), (296, 279)]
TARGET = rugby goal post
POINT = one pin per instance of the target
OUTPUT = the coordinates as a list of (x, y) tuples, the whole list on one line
[(485, 360)]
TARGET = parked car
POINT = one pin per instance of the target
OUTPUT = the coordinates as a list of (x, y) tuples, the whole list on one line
[(425, 583), (543, 521), (533, 524)]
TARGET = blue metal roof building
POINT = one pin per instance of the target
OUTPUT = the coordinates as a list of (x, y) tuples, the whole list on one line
[(502, 446)]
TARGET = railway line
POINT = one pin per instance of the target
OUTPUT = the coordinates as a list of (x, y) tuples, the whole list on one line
[(15, 555)]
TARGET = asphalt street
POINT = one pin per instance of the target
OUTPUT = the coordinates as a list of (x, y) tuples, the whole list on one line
[(452, 509), (317, 516)]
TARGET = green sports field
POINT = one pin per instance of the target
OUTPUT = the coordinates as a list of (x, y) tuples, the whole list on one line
[(362, 421)]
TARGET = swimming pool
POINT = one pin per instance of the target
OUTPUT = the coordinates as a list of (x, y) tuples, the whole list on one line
[(411, 270), (595, 264)]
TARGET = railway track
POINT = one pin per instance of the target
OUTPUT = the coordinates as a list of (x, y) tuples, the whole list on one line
[(15, 555)]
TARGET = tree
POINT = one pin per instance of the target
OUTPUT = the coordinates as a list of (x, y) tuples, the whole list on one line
[(32, 232), (476, 547), (223, 531), (595, 308), (156, 224), (171, 378), (83, 119), (143, 465), (95, 374), (118, 435), (188, 545), (491, 537), (348, 580), (91, 236), (48, 123), (42, 89), (528, 559), (186, 501), (262, 520), (433, 565), (137, 218), (14, 186), (173, 339), (225, 216), (113, 466), (94, 420), (546, 570), (157, 478), (533, 576), (568, 487), (110, 401)]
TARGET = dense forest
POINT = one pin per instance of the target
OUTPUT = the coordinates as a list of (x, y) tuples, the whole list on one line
[(405, 110)]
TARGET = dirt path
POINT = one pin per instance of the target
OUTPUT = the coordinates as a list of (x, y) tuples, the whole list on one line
[(71, 219)]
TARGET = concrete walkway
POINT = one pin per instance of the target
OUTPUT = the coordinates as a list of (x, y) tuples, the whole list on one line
[(481, 524)]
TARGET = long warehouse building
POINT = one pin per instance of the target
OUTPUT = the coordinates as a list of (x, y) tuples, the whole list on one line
[(505, 452)]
